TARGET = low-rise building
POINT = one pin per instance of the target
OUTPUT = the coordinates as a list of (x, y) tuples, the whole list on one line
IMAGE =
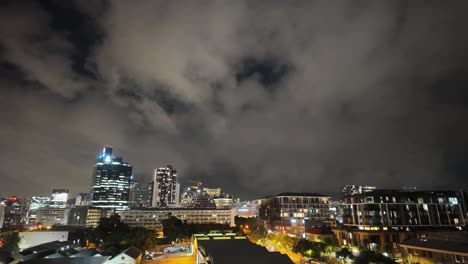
[(31, 239), (227, 249), (58, 252), (223, 202), (247, 209), (52, 216), (435, 251), (152, 218), (87, 216)]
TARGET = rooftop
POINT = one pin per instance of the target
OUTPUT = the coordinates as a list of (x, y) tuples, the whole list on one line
[(458, 247), (301, 194), (230, 251), (83, 260)]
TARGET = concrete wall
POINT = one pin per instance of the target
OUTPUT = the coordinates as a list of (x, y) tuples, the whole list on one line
[(30, 239)]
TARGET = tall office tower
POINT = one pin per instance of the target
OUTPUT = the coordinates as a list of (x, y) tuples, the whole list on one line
[(59, 198), (12, 213), (111, 181), (138, 196), (165, 187)]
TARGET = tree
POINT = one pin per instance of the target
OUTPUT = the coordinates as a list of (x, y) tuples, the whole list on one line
[(344, 253), (9, 242), (250, 226), (331, 241), (110, 232), (141, 238), (366, 256), (279, 241), (173, 228), (310, 248), (303, 247)]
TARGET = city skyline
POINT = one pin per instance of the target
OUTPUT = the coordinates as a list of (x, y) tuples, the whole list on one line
[(254, 97)]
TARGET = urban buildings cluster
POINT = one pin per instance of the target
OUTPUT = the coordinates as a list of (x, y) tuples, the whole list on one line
[(114, 190), (365, 216)]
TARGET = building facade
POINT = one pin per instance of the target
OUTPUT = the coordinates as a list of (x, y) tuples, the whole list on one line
[(36, 203), (247, 209), (83, 199), (152, 218), (289, 212), (165, 189), (381, 218), (111, 181), (87, 216), (287, 206), (223, 202), (213, 192), (52, 216), (12, 213), (423, 250), (357, 189), (138, 196), (59, 198), (403, 208)]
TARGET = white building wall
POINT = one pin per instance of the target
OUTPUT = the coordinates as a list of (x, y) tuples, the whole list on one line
[(52, 216), (152, 219), (31, 239)]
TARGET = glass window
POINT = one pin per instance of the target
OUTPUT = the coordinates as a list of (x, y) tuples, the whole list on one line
[(453, 200)]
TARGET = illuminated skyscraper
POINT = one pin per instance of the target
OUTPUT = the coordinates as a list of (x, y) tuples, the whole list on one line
[(165, 189), (59, 198), (13, 207), (111, 181)]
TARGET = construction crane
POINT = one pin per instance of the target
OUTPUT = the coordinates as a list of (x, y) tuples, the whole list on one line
[(198, 186)]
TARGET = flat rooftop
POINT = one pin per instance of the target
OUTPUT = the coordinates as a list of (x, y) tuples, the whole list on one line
[(234, 251), (438, 245)]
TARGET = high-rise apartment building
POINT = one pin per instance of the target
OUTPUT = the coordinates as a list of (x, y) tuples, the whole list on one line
[(292, 212), (59, 198), (387, 217), (111, 181), (391, 208), (165, 189)]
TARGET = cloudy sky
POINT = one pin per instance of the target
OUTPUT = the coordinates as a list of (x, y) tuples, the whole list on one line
[(256, 97)]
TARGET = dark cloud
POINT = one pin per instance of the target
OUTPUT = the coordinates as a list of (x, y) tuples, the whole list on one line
[(254, 97)]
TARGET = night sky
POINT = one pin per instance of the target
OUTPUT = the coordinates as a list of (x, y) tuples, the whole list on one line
[(255, 97)]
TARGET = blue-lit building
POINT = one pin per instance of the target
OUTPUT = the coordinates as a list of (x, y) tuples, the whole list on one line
[(111, 181)]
